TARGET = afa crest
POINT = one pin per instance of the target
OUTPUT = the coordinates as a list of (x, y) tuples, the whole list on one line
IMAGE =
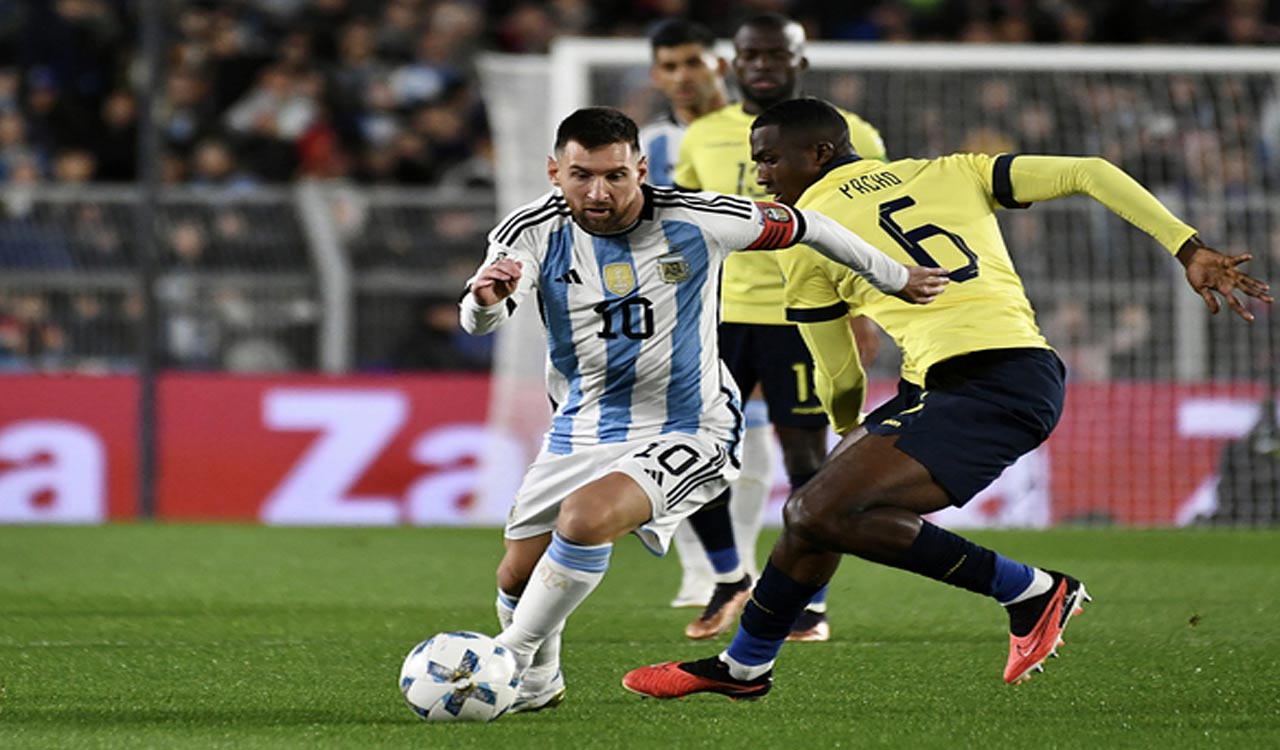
[(673, 268), (619, 278)]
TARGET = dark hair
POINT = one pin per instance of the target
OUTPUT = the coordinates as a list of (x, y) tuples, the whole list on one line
[(593, 127), (674, 32), (807, 115), (768, 22)]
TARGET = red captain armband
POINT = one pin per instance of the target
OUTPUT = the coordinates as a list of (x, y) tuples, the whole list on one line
[(783, 227)]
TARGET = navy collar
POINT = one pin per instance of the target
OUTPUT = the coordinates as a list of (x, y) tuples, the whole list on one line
[(839, 161)]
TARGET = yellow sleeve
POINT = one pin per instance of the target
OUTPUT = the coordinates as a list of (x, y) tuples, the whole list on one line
[(814, 303), (838, 377), (1027, 179), (865, 138), (685, 174)]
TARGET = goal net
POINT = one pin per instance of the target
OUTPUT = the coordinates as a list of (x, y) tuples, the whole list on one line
[(1171, 412)]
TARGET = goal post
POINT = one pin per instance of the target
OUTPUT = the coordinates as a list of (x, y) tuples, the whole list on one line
[(1161, 392)]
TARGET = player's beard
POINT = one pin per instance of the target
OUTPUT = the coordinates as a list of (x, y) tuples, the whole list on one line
[(599, 224)]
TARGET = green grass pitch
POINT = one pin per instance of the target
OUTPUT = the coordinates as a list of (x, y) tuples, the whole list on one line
[(137, 636)]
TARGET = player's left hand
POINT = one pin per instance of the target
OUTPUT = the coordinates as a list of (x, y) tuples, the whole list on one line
[(1210, 271), (924, 284)]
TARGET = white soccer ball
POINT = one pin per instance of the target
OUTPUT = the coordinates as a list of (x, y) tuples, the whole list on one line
[(459, 676)]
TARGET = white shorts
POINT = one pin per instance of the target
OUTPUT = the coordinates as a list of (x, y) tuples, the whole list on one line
[(680, 473)]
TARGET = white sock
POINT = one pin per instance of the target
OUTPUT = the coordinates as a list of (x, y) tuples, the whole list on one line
[(751, 493), (546, 661), (1040, 583), (564, 576), (740, 671)]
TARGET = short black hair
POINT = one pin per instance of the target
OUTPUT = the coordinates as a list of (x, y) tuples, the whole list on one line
[(593, 127), (806, 115), (674, 32), (768, 22)]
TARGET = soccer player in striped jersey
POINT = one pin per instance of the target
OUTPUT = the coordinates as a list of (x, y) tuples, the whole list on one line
[(762, 348), (647, 419), (980, 386)]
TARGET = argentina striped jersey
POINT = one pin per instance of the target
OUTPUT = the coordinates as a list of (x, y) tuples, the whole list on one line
[(631, 318)]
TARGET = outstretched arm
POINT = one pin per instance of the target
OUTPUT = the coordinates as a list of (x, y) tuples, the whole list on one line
[(784, 226), (1036, 178)]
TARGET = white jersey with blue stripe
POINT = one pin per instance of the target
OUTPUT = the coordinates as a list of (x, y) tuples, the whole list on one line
[(660, 142), (631, 318)]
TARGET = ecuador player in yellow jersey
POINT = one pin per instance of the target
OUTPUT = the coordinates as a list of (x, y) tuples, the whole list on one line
[(980, 386), (760, 346)]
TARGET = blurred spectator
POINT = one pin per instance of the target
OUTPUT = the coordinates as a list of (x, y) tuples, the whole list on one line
[(186, 113), (29, 336), (74, 166), (10, 89), (272, 116), (436, 341), (214, 165), (54, 120), (528, 28), (116, 144), (99, 330), (14, 149)]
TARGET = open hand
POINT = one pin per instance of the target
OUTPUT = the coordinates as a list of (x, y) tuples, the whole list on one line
[(924, 284), (1210, 271)]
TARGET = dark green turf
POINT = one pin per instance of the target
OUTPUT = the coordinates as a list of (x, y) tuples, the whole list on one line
[(245, 637)]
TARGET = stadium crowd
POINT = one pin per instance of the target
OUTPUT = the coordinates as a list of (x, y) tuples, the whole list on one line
[(383, 91), (262, 93)]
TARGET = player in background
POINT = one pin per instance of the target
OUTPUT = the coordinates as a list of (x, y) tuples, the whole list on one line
[(980, 386), (646, 420), (762, 348), (712, 548), (690, 75)]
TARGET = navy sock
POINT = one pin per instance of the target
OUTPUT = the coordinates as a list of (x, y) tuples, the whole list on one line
[(714, 528), (943, 556), (776, 602)]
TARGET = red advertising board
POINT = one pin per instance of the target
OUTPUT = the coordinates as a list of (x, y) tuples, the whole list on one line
[(315, 449), (68, 448), (382, 450)]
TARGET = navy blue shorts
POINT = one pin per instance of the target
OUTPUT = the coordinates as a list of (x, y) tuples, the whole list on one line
[(775, 357), (976, 415)]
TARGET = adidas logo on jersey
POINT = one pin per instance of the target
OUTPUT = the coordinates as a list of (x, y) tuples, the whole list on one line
[(569, 277)]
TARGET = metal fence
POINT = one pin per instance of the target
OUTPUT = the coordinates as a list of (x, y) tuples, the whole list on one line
[(315, 276)]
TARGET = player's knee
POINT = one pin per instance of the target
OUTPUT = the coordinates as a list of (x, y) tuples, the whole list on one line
[(806, 516), (583, 521)]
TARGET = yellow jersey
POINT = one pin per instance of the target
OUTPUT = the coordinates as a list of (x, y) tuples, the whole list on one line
[(941, 213), (715, 154)]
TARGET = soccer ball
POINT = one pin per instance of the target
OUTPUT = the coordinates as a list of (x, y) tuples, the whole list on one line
[(459, 676)]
